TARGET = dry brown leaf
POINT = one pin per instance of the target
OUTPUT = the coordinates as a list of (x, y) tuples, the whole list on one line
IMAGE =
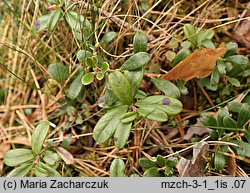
[(196, 129), (197, 65), (194, 167), (65, 155)]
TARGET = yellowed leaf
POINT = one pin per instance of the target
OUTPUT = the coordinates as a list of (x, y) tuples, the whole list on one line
[(197, 65)]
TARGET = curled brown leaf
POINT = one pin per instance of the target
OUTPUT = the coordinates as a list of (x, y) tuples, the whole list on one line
[(197, 65)]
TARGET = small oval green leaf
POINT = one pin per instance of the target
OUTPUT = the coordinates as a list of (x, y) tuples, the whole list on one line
[(16, 157), (173, 107), (190, 33), (167, 87), (229, 122), (53, 18), (129, 117), (108, 37), (181, 55), (76, 87), (233, 81), (51, 172), (38, 136), (151, 172), (145, 163), (117, 168), (140, 42), (234, 106), (121, 134), (152, 113), (121, 87), (58, 71), (104, 66), (88, 78), (208, 120), (82, 55), (219, 161), (136, 61), (244, 114), (50, 157), (135, 78), (232, 48), (237, 59), (22, 170), (160, 160), (108, 123), (99, 75)]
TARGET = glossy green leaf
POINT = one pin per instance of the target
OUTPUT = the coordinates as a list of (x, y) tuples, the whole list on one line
[(82, 55), (136, 61), (170, 106), (134, 77), (243, 150), (204, 35), (222, 112), (108, 123), (16, 157), (79, 24), (170, 55), (237, 59), (247, 133), (41, 23), (89, 62), (51, 172), (234, 106), (167, 87), (121, 134), (39, 135), (244, 114), (108, 37), (40, 172), (67, 141), (104, 66), (21, 170), (110, 97), (190, 33), (214, 135), (88, 78), (53, 18), (152, 113), (145, 163), (140, 94), (59, 72), (186, 44), (76, 87), (221, 66), (208, 44), (215, 77), (208, 120), (229, 122), (50, 157), (219, 161), (117, 168), (160, 161), (99, 75), (151, 172), (181, 55), (121, 87), (129, 117), (140, 42), (233, 81), (232, 48), (181, 86)]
